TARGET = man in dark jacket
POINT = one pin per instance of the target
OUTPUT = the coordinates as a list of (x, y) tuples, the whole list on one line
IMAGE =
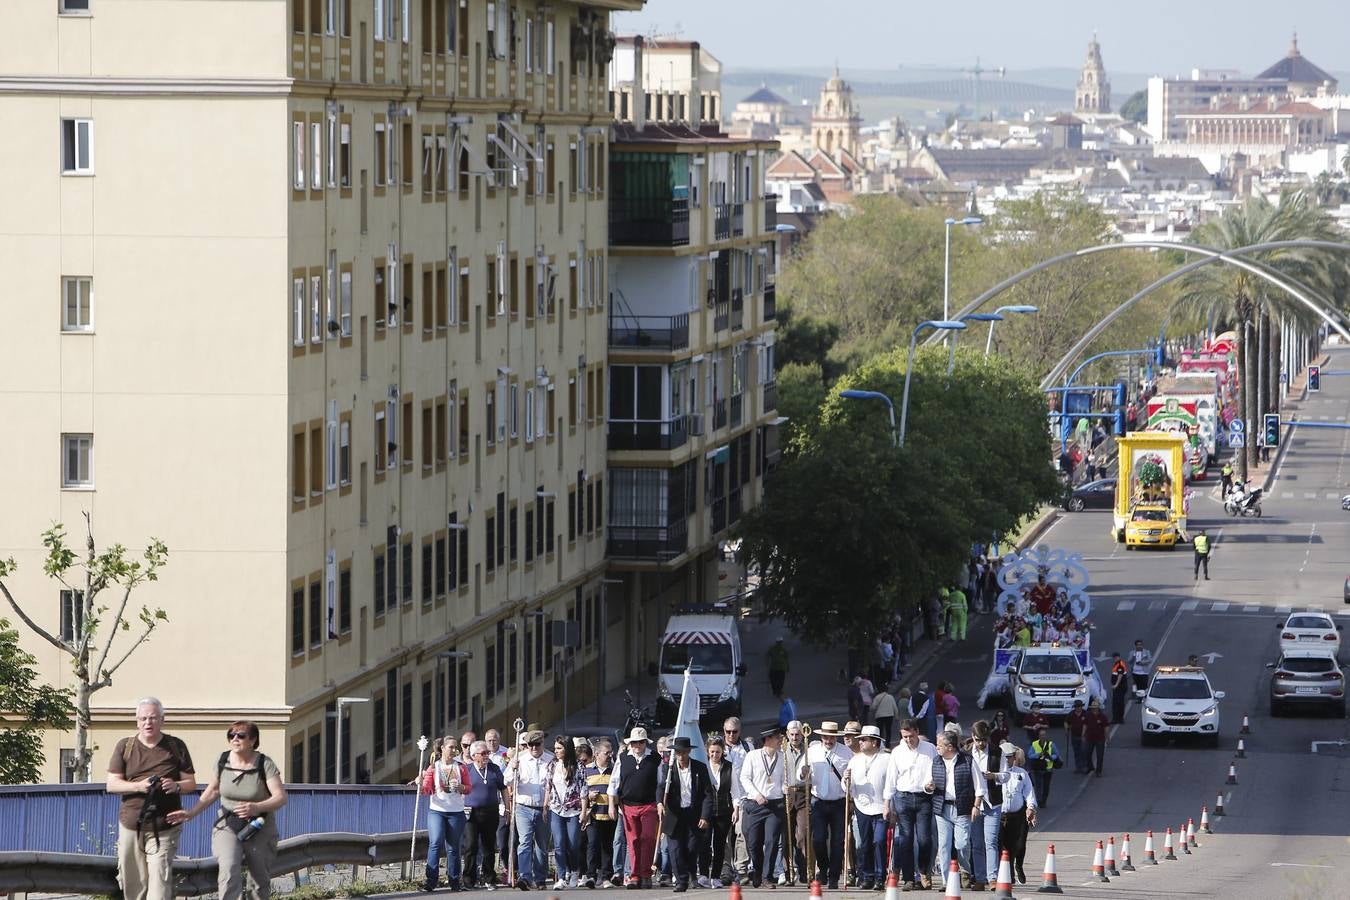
[(686, 808), (957, 797)]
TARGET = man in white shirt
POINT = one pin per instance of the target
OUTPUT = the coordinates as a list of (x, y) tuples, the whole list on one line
[(865, 780), (763, 807), (908, 805), (1141, 663), (526, 778), (958, 797), (826, 761), (737, 746), (984, 845)]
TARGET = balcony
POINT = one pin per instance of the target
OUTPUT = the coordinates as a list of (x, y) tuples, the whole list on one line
[(648, 222), (737, 309), (721, 222), (770, 302), (648, 542), (647, 434), (649, 332), (737, 219), (693, 424), (737, 410), (770, 213), (718, 513), (771, 396), (720, 414), (721, 311)]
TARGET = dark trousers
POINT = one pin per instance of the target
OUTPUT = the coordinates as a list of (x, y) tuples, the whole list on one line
[(885, 723), (776, 680), (480, 836), (1013, 835), (913, 847), (1080, 760), (1096, 751), (795, 810), (1040, 780), (871, 846), (827, 838), (1118, 697), (599, 848), (1140, 684), (1201, 559), (712, 854), (683, 842), (763, 827)]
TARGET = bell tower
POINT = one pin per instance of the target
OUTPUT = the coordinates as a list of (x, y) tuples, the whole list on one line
[(1094, 90)]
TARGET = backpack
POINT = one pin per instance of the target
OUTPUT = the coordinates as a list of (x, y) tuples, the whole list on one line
[(258, 766)]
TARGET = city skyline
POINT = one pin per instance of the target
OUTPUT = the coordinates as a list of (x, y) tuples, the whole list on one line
[(1041, 36)]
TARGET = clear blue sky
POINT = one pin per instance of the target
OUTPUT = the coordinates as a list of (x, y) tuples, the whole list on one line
[(1145, 37)]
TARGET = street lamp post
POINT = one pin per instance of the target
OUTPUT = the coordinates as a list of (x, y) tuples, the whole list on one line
[(941, 325), (947, 260), (991, 318), (342, 757), (876, 395), (1018, 308)]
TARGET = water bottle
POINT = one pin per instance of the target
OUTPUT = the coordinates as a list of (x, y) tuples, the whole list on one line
[(253, 827)]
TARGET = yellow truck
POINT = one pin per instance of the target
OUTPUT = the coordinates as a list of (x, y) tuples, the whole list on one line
[(1150, 508)]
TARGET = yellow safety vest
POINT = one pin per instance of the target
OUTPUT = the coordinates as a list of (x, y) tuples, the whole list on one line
[(1202, 544)]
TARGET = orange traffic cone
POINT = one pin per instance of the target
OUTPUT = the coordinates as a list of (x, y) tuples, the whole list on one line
[(1246, 725), (735, 891), (1218, 805), (1150, 858), (1185, 847), (815, 889), (1169, 852), (1232, 774), (1003, 887), (1050, 879), (1098, 866), (1242, 749), (953, 891), (1204, 820), (1190, 833), (892, 887), (1126, 863), (1111, 857)]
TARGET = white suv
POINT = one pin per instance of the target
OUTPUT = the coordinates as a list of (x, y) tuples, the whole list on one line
[(1179, 701)]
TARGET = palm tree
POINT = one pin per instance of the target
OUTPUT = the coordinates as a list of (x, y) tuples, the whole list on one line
[(1238, 299)]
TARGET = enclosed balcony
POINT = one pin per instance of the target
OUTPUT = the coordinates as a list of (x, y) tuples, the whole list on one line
[(648, 542), (640, 434), (770, 213), (771, 396), (770, 302), (721, 221), (648, 332), (737, 219), (648, 199), (737, 309)]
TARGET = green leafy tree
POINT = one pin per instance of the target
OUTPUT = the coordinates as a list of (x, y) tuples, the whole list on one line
[(801, 392), (30, 707), (853, 529), (1236, 298), (95, 632), (1135, 107)]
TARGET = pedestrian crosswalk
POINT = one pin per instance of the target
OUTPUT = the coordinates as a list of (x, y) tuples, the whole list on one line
[(1307, 495), (1224, 606)]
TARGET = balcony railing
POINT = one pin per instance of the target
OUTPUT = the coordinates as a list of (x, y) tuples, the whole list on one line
[(737, 309), (648, 222), (647, 434), (719, 514), (720, 414), (734, 506), (648, 542), (770, 213), (649, 332), (721, 222), (770, 302), (737, 410), (721, 312), (737, 219), (771, 396)]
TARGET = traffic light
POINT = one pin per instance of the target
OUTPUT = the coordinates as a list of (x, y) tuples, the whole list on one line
[(1314, 379), (1271, 431)]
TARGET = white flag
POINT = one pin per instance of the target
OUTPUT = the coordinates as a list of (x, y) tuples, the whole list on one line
[(686, 723)]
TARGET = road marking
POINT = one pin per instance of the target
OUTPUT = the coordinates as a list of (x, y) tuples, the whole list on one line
[(1287, 866), (1283, 610), (1125, 605), (1286, 495), (1192, 604), (1219, 607), (1331, 495), (1310, 495), (1251, 608), (1343, 612), (1157, 605)]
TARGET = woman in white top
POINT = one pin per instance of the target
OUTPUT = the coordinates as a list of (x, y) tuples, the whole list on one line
[(445, 818), (1019, 806), (563, 790)]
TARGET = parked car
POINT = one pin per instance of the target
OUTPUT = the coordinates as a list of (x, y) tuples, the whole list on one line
[(1099, 494), (1306, 630), (1179, 701), (1307, 677)]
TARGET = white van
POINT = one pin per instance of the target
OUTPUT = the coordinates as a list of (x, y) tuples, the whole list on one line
[(709, 645)]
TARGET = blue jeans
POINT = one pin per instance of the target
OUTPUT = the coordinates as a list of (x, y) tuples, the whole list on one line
[(984, 845), (912, 852), (953, 823), (445, 833), (566, 843), (531, 863), (621, 866), (871, 846)]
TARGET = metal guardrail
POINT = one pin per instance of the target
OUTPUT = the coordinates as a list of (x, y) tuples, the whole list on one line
[(42, 872)]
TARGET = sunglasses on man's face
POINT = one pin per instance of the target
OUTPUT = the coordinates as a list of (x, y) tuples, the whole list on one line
[(536, 743), (732, 730)]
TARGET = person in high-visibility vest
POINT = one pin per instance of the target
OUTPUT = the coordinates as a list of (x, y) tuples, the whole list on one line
[(1226, 478), (1201, 545), (957, 607)]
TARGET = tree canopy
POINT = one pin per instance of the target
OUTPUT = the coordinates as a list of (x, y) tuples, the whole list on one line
[(29, 708), (1135, 107)]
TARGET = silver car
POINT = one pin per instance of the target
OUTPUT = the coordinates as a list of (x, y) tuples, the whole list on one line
[(1307, 677)]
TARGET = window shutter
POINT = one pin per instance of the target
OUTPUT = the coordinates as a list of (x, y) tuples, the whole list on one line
[(330, 592)]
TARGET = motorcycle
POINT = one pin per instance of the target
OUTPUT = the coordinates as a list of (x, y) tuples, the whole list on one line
[(1243, 503), (638, 716), (1345, 502)]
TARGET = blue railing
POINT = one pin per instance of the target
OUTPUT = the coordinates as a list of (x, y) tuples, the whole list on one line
[(82, 818)]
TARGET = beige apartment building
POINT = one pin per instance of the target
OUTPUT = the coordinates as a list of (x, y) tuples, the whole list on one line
[(317, 291)]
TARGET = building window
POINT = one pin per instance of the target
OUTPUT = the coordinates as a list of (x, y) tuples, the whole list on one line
[(378, 716), (77, 304), (298, 621), (77, 460), (440, 566), (391, 722), (345, 154), (406, 556), (77, 146), (345, 600), (379, 582), (315, 615), (67, 7), (406, 702), (298, 152), (72, 615), (298, 312), (345, 304)]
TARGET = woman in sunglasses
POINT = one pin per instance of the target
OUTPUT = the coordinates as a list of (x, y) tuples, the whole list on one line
[(249, 786)]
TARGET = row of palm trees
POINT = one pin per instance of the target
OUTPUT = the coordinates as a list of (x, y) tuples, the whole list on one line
[(1234, 298)]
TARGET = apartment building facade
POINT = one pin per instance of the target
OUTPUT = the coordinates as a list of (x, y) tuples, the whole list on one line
[(693, 426), (316, 292)]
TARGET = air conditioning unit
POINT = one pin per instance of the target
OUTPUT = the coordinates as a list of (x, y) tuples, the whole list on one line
[(693, 424)]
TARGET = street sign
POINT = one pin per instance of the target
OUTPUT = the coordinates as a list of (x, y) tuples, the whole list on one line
[(1236, 440), (1236, 426)]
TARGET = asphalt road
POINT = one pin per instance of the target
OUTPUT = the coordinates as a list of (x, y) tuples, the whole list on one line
[(1285, 829)]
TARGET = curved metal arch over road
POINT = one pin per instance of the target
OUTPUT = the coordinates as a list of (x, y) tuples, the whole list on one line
[(1228, 258)]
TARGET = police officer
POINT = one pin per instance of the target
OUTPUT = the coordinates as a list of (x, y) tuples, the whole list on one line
[(1201, 544), (1226, 479)]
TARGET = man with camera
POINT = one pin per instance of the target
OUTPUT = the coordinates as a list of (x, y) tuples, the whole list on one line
[(151, 771)]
